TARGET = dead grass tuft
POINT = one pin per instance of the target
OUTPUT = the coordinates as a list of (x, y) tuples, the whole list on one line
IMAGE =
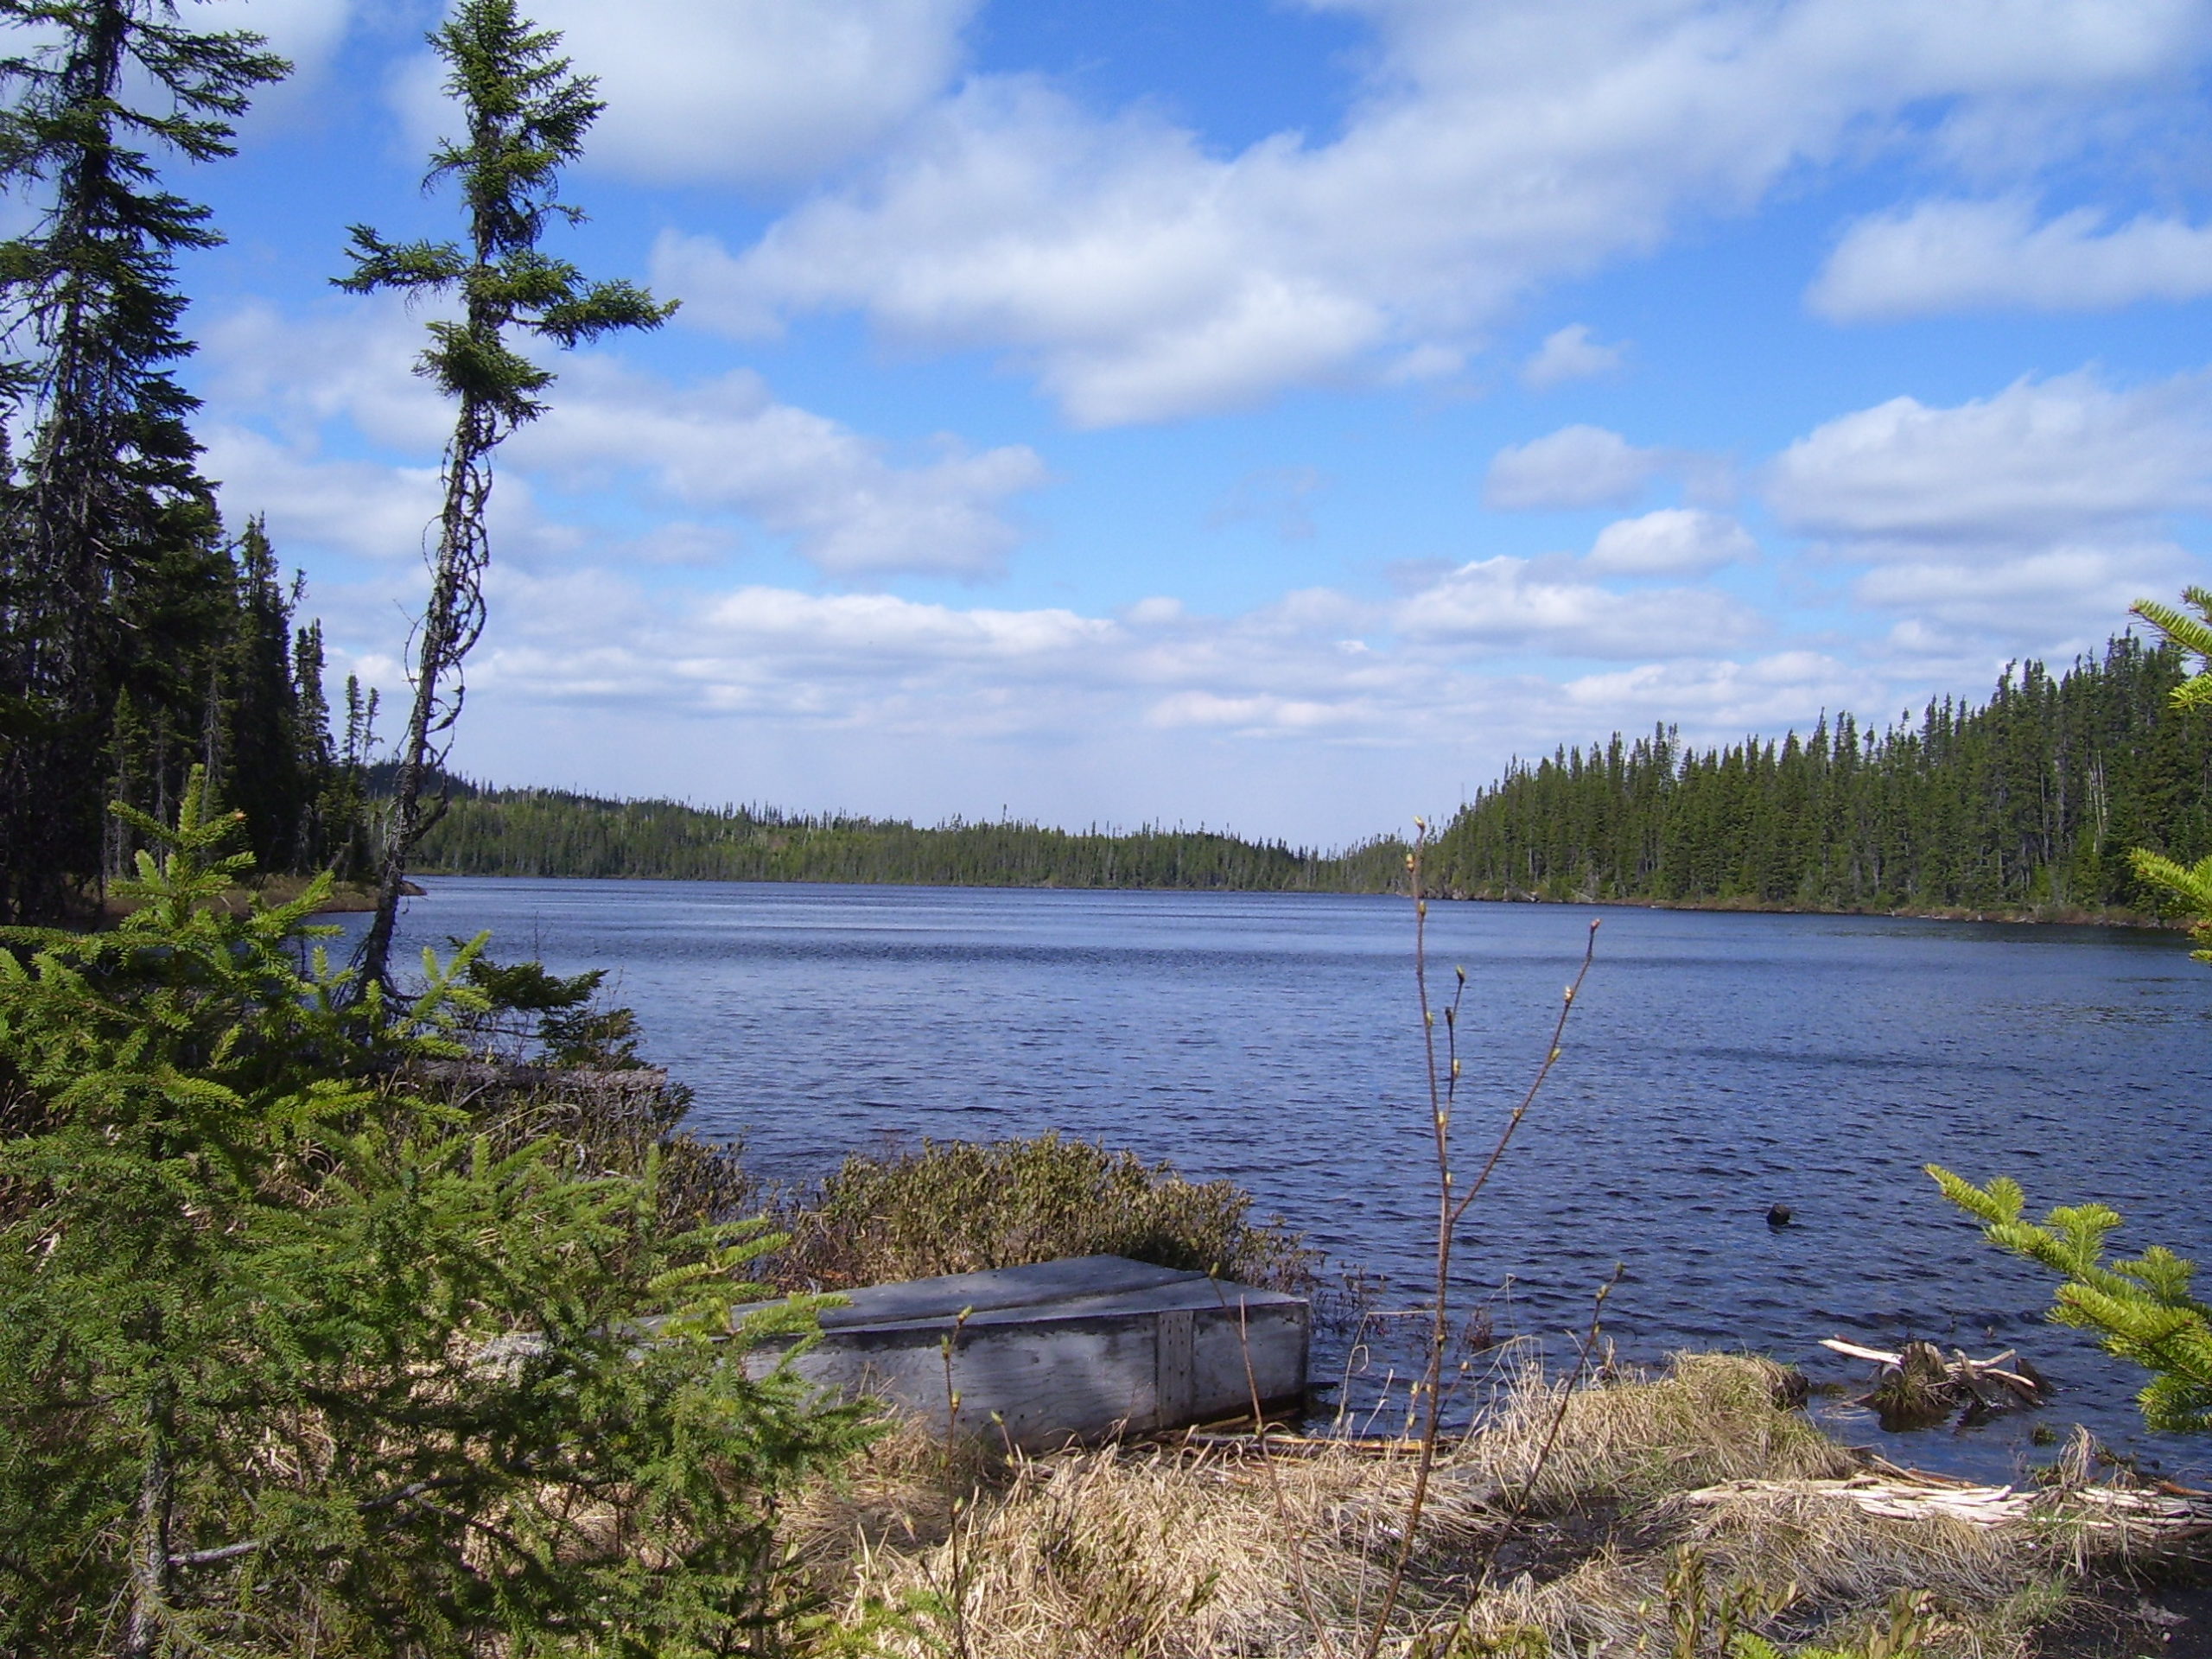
[(1708, 1418), (1175, 1553)]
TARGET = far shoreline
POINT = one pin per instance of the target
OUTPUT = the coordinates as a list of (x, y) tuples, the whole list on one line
[(2036, 915)]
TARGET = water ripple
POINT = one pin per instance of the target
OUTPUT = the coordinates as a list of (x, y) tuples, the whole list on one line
[(1718, 1065)]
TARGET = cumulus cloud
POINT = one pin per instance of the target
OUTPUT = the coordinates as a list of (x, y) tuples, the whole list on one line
[(1141, 276), (1523, 605), (2039, 462), (755, 91), (1569, 354), (1574, 467), (849, 509), (1672, 541), (1965, 256), (1711, 697), (367, 509), (2024, 521), (848, 503)]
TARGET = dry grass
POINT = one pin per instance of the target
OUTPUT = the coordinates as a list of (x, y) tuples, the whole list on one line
[(1165, 1553)]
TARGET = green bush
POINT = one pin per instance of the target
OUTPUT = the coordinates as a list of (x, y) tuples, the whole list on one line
[(961, 1207), (291, 1360)]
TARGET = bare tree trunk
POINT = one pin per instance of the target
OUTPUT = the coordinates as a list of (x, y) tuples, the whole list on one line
[(451, 624)]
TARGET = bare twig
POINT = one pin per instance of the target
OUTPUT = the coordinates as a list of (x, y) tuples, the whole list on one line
[(1450, 1205)]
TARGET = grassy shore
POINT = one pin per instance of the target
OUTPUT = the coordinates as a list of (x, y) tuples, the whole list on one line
[(346, 897), (1689, 1513)]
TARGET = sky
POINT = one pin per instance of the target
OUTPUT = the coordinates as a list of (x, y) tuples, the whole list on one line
[(1269, 414)]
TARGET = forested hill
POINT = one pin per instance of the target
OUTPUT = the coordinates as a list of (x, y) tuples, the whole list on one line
[(554, 832), (2030, 802)]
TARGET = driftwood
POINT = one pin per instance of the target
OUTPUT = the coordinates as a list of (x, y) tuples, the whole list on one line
[(2162, 1512), (1918, 1382)]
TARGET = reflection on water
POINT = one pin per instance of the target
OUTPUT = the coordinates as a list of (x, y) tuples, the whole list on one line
[(1718, 1065)]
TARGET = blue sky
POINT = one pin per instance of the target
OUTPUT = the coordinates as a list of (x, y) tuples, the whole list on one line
[(1273, 414)]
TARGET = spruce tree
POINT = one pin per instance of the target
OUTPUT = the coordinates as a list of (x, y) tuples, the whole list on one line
[(108, 538), (526, 115)]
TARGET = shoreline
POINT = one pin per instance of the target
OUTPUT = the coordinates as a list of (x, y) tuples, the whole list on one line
[(346, 898), (2039, 915)]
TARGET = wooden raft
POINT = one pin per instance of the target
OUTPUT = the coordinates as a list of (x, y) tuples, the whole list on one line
[(1079, 1349)]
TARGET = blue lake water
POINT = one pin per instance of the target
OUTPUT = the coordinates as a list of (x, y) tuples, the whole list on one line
[(1717, 1065)]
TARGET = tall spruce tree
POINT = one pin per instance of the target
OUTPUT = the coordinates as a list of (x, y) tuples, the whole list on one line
[(526, 115), (108, 534)]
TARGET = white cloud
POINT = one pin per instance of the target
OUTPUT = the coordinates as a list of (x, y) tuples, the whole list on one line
[(755, 91), (1672, 541), (367, 509), (2039, 462), (1574, 467), (1569, 354), (1965, 256), (2071, 597), (729, 443), (847, 502), (1523, 605), (1715, 698), (1142, 276), (2025, 522)]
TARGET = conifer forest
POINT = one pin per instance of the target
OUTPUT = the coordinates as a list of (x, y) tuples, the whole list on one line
[(139, 636), (2029, 801), (541, 832)]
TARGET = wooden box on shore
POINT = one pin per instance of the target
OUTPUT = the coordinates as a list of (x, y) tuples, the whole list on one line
[(1080, 1348)]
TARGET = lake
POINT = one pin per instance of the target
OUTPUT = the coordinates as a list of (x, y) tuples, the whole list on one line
[(1717, 1065)]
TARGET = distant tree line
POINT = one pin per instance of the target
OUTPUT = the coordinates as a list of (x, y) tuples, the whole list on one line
[(2031, 800), (542, 832)]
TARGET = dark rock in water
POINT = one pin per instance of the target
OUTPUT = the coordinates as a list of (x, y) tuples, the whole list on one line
[(1779, 1216)]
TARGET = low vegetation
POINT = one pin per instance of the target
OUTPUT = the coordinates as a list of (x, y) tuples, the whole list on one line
[(317, 1334), (296, 1355)]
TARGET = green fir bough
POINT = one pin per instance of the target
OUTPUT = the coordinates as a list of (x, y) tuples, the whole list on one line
[(2142, 1309)]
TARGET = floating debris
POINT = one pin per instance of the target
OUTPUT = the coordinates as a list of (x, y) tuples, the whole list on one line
[(1919, 1385)]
